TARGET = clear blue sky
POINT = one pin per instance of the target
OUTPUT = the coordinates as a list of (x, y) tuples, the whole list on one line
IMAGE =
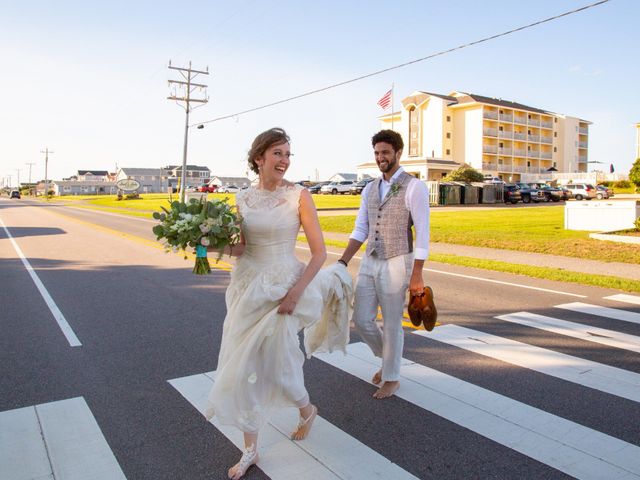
[(89, 79)]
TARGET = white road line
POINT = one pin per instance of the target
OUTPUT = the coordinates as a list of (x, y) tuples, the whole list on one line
[(613, 313), (328, 453), (621, 297), (480, 279), (576, 330), (59, 440), (611, 380), (576, 450), (55, 311)]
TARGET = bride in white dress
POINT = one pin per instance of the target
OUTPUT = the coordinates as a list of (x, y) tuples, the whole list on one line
[(271, 297)]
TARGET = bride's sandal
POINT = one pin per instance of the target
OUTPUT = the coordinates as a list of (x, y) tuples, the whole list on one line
[(304, 425), (249, 457)]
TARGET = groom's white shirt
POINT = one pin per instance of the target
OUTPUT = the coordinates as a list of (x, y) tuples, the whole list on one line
[(417, 202)]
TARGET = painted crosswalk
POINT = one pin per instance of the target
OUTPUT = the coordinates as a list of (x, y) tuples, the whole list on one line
[(57, 441), (597, 310), (328, 454), (625, 298)]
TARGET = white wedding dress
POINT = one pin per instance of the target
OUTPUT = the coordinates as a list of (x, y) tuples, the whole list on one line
[(260, 361)]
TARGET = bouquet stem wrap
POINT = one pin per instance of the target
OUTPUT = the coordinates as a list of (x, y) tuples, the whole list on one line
[(202, 266)]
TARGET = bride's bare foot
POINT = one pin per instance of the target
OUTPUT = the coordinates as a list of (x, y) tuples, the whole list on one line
[(304, 425), (387, 390), (249, 457), (377, 378)]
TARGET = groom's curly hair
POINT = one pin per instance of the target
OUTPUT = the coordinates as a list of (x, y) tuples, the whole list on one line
[(391, 137), (264, 141)]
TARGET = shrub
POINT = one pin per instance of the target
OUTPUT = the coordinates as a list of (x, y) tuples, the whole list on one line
[(132, 196), (622, 184), (465, 174), (634, 173), (607, 183)]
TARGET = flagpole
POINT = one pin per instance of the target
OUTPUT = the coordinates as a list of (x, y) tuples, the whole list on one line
[(392, 106)]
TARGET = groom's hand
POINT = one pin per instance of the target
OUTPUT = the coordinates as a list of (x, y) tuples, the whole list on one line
[(416, 284)]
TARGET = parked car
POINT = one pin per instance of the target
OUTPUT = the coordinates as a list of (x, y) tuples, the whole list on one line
[(207, 188), (356, 188), (511, 193), (530, 194), (602, 192), (581, 191), (337, 187), (316, 188), (15, 194), (553, 194), (228, 189), (191, 188)]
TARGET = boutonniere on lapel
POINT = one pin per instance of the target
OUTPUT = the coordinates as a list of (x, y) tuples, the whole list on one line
[(394, 189)]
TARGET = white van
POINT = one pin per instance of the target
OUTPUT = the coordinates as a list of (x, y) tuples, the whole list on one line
[(581, 191)]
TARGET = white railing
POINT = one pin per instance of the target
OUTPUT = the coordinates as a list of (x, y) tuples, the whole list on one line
[(546, 140), (489, 166), (582, 158), (506, 118), (546, 155), (534, 138), (533, 153), (546, 124), (584, 130), (533, 121), (520, 119), (582, 144), (505, 134), (490, 132), (519, 169), (489, 114), (520, 136), (434, 191), (504, 151), (520, 152), (489, 149)]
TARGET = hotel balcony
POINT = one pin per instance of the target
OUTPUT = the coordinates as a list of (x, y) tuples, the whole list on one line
[(534, 122), (544, 124), (583, 144), (582, 159), (534, 138), (519, 136), (490, 132), (521, 119), (546, 155), (520, 152), (489, 149), (490, 114), (489, 166), (533, 153), (504, 151), (519, 169), (544, 139), (506, 118), (584, 130), (505, 134)]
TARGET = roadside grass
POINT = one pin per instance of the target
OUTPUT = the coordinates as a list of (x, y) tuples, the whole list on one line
[(532, 229)]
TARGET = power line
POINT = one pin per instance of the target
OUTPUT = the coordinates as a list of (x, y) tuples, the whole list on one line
[(379, 72)]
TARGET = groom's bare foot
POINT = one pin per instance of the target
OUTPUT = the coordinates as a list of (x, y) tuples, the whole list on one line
[(377, 378), (387, 390)]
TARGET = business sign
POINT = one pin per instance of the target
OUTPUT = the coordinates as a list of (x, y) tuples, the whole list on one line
[(128, 185)]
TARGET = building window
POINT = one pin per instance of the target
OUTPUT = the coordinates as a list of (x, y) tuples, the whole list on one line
[(448, 118), (501, 145), (448, 152), (414, 128), (555, 120), (448, 134), (576, 142), (528, 164), (576, 128), (555, 134), (555, 149), (501, 128)]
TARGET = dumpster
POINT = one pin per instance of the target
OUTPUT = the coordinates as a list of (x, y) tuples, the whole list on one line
[(450, 194), (491, 193), (470, 195)]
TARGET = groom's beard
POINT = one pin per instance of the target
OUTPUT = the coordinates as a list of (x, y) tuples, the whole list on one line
[(387, 167)]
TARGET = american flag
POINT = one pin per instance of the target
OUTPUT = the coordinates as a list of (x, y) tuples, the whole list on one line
[(385, 101)]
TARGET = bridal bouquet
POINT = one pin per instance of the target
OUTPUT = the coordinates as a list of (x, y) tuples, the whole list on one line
[(198, 225)]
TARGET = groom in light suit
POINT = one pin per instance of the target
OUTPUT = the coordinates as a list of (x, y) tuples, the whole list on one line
[(390, 205)]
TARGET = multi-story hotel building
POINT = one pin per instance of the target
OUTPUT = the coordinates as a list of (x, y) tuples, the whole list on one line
[(497, 137)]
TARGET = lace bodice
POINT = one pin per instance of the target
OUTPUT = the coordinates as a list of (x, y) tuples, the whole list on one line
[(270, 222)]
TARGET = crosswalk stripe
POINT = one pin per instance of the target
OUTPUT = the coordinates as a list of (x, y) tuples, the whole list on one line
[(623, 297), (327, 453), (575, 330), (569, 447), (58, 440), (613, 313), (611, 380)]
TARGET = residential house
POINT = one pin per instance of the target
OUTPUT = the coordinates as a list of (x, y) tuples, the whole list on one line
[(240, 182), (152, 180), (76, 187), (343, 177)]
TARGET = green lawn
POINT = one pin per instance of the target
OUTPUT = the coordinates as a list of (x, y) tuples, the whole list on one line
[(539, 230)]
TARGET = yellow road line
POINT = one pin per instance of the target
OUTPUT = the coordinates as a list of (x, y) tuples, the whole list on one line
[(149, 243)]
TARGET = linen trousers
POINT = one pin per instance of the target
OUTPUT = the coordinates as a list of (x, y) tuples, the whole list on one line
[(384, 283)]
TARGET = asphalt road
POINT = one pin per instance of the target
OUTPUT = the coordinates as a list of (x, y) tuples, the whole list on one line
[(483, 398)]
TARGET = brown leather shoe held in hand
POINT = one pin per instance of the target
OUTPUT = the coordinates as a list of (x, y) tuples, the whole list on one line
[(422, 310)]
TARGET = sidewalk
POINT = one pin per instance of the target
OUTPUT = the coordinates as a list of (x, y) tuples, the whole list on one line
[(595, 267)]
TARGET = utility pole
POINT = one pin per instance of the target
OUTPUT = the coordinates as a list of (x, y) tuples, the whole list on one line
[(46, 171), (18, 170), (189, 87), (30, 165)]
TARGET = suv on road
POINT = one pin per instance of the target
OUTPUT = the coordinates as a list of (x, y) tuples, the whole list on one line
[(15, 194), (581, 191), (356, 188), (531, 194), (602, 192), (337, 187), (511, 193)]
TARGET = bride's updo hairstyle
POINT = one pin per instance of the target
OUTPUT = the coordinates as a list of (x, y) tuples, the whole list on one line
[(264, 141)]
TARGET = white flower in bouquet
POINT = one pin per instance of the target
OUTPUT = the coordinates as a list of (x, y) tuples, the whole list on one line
[(204, 241), (205, 228)]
